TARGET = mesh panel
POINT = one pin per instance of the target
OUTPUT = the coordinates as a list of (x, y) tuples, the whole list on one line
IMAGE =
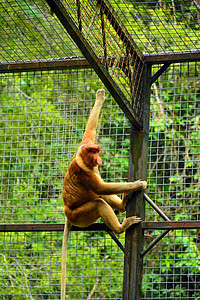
[(112, 44), (29, 32), (43, 117), (173, 177), (31, 264), (172, 270), (161, 26)]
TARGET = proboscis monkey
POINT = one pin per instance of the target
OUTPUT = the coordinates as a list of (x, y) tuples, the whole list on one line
[(86, 196)]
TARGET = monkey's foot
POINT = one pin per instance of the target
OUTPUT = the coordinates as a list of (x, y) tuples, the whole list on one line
[(100, 96), (130, 221), (133, 220), (139, 185)]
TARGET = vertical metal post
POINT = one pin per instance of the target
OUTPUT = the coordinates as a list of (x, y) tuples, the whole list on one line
[(133, 263)]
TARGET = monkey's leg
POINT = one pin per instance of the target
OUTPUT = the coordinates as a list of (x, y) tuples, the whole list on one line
[(111, 220), (116, 202), (90, 131), (91, 211)]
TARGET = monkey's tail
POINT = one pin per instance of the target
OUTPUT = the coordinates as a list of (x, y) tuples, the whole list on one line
[(64, 257)]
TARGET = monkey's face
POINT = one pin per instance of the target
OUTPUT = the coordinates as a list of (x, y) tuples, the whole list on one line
[(91, 155)]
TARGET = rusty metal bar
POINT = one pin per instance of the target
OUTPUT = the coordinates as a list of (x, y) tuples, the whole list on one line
[(49, 227), (154, 242), (159, 211), (45, 65), (133, 264), (173, 57), (159, 72), (81, 62), (124, 35), (113, 236), (99, 68), (74, 63), (104, 36), (171, 225), (79, 14)]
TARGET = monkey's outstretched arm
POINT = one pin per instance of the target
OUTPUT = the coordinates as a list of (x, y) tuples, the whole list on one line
[(97, 185), (90, 131)]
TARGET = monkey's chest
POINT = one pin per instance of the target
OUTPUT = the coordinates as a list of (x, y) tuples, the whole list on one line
[(76, 194)]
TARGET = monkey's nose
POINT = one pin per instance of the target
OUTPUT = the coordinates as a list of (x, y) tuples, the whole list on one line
[(99, 161)]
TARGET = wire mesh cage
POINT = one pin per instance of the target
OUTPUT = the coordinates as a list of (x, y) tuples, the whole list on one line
[(172, 270), (43, 116), (28, 33), (161, 26), (41, 129), (42, 124), (175, 142), (30, 264)]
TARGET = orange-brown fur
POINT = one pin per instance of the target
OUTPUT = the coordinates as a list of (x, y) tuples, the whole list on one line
[(86, 196)]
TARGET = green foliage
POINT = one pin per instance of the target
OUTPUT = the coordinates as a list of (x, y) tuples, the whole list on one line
[(32, 137), (31, 143), (179, 269)]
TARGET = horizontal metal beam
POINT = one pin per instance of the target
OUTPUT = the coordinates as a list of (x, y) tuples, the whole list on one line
[(45, 65), (97, 226), (171, 225), (82, 63), (56, 64), (49, 227), (172, 57)]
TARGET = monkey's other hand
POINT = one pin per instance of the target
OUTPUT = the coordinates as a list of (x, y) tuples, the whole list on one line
[(139, 185), (100, 96)]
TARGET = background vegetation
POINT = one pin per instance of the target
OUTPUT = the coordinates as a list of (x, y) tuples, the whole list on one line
[(40, 127)]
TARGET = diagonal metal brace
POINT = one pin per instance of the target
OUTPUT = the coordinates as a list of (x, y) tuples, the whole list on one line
[(62, 14), (160, 236), (159, 72)]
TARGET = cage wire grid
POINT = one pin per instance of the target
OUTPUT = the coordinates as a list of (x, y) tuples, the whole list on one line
[(171, 269), (31, 262), (111, 44), (42, 124), (31, 28), (175, 142), (43, 115), (41, 127), (154, 31)]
